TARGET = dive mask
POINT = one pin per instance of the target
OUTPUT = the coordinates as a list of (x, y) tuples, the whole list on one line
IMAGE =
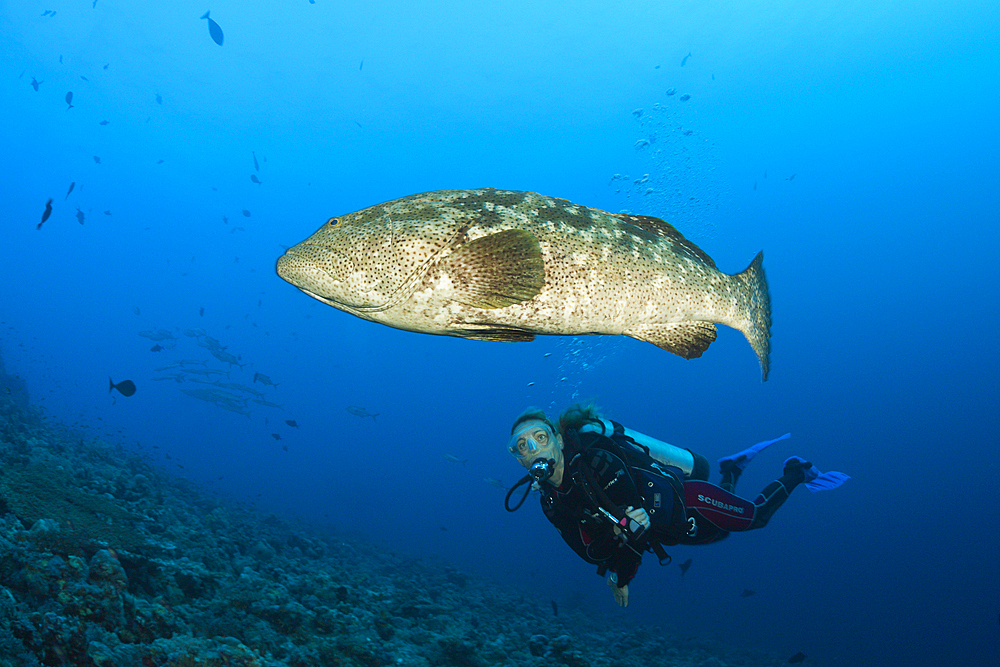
[(532, 440)]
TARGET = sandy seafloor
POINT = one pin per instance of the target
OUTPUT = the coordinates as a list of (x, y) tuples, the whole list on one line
[(108, 560)]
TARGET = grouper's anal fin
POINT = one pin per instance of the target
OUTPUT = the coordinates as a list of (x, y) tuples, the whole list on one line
[(496, 271), (685, 339), (499, 334)]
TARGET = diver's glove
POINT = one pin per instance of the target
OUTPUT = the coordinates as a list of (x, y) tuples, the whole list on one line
[(621, 594)]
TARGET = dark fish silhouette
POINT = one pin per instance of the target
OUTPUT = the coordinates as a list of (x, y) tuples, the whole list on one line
[(79, 215), (255, 165), (276, 436), (253, 177), (214, 30), (201, 312), (97, 159), (362, 65), (106, 65), (671, 91), (684, 98), (159, 99), (291, 422), (71, 186), (108, 212), (156, 348), (555, 608), (103, 122), (246, 213), (125, 387), (263, 379), (685, 59), (35, 84), (798, 657), (46, 213), (69, 100), (84, 78), (791, 178), (361, 412), (747, 593), (755, 185), (684, 566)]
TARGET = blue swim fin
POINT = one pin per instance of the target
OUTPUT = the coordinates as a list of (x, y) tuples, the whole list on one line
[(742, 459), (816, 480)]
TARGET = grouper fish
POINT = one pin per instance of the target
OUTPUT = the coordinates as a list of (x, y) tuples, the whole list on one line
[(503, 265)]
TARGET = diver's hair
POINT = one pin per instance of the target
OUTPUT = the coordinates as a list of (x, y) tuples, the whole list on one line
[(578, 415), (530, 414)]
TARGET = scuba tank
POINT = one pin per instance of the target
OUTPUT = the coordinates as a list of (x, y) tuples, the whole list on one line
[(664, 453)]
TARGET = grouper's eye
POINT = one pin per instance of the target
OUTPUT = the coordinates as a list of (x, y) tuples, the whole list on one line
[(333, 223)]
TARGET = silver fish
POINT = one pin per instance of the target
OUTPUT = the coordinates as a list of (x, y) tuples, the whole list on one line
[(361, 412), (505, 266)]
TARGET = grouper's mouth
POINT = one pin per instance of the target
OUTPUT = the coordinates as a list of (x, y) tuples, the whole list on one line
[(299, 271)]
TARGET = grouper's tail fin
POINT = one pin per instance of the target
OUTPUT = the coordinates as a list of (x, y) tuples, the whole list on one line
[(756, 308)]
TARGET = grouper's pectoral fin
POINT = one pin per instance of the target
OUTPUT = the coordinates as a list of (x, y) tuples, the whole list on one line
[(499, 334), (685, 339), (496, 271)]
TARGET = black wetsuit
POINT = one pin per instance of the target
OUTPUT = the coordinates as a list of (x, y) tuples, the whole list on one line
[(685, 511)]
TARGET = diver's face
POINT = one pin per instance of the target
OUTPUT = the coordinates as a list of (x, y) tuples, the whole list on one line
[(534, 440)]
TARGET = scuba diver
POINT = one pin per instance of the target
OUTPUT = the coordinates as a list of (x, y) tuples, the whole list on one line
[(613, 493)]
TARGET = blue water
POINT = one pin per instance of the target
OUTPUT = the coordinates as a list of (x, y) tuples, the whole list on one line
[(880, 252)]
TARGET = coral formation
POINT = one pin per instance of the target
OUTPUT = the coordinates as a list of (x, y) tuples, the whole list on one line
[(106, 562)]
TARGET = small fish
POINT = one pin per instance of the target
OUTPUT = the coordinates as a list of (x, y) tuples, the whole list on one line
[(276, 436), (684, 61), (106, 65), (103, 122), (291, 422), (246, 213), (225, 220), (358, 124), (253, 177), (35, 84), (107, 212), (285, 447), (684, 566), (747, 593), (256, 167), (156, 348), (69, 100), (671, 91), (159, 162), (268, 404), (84, 78), (159, 99), (684, 98), (362, 65), (71, 186), (454, 459), (135, 309), (555, 608), (791, 178), (493, 481), (798, 657), (97, 159), (46, 213), (79, 215), (755, 185), (361, 412), (214, 30), (201, 312), (125, 387), (263, 379)]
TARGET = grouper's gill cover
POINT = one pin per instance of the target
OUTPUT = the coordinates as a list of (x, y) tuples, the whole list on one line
[(504, 265)]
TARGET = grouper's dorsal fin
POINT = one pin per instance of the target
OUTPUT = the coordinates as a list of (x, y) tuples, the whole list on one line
[(496, 271), (665, 230), (685, 339)]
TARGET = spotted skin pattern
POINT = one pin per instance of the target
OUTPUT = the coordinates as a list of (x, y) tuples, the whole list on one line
[(506, 265)]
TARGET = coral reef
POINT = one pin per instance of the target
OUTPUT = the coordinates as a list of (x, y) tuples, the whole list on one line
[(106, 562)]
